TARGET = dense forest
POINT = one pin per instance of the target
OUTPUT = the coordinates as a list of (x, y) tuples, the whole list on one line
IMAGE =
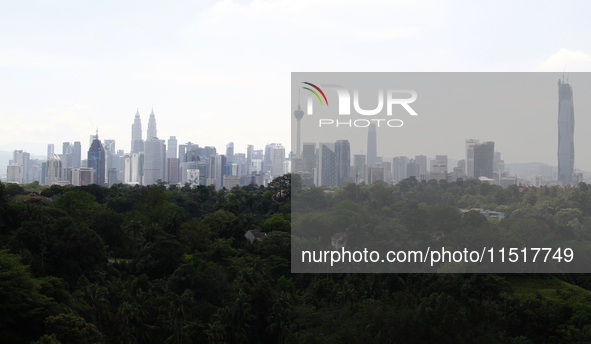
[(168, 264)]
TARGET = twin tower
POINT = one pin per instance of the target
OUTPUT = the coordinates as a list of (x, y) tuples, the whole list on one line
[(137, 142)]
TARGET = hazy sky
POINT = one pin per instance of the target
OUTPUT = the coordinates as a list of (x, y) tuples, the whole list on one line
[(219, 71)]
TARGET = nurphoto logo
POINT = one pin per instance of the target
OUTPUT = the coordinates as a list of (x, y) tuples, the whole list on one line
[(389, 96)]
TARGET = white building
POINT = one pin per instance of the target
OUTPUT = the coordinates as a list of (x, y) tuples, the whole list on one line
[(14, 173)]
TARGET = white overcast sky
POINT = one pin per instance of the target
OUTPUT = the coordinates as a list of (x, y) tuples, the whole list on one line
[(219, 71)]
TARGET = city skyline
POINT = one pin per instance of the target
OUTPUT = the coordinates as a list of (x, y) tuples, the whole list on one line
[(197, 65)]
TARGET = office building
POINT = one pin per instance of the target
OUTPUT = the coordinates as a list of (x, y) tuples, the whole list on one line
[(470, 143), (483, 159), (14, 173), (50, 150), (326, 170), (566, 130), (82, 176), (309, 156), (230, 152), (153, 161), (343, 161), (172, 148), (53, 172), (422, 161), (359, 167), (96, 160), (172, 168)]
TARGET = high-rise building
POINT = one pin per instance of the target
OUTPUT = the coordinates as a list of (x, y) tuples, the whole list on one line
[(137, 144), (359, 164), (50, 150), (125, 168), (249, 157), (77, 154), (484, 154), (299, 114), (22, 158), (327, 169), (82, 176), (230, 152), (112, 177), (343, 161), (172, 147), (470, 157), (422, 161), (566, 130), (14, 173), (309, 156), (277, 160), (442, 158), (152, 132), (215, 170), (413, 169), (172, 167), (372, 145), (53, 171), (112, 160), (399, 169), (438, 170), (96, 160), (184, 149), (153, 161)]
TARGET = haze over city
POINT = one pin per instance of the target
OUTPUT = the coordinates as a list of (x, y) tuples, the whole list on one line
[(215, 73)]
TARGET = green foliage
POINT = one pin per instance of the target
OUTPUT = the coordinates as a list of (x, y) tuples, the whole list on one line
[(22, 306), (192, 277), (47, 339), (69, 328)]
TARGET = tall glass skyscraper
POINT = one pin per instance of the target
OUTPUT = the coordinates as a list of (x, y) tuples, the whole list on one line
[(96, 160), (566, 130)]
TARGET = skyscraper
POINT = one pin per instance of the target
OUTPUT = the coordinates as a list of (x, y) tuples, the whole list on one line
[(53, 171), (249, 157), (309, 156), (327, 174), (470, 157), (153, 161), (422, 161), (359, 163), (50, 149), (172, 147), (96, 160), (137, 145), (22, 158), (230, 152), (77, 154), (277, 160), (152, 132), (343, 160), (372, 145), (484, 154), (566, 130)]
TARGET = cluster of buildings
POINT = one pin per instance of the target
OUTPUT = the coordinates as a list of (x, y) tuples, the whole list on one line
[(331, 164), (149, 161)]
